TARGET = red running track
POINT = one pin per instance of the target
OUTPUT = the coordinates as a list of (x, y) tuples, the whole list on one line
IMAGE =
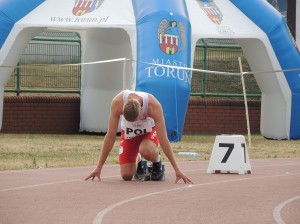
[(271, 194)]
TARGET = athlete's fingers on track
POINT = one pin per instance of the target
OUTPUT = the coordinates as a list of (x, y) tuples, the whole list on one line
[(186, 180), (97, 177), (88, 177), (92, 176)]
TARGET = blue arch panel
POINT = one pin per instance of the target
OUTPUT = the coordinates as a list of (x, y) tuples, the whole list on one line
[(12, 11), (274, 25)]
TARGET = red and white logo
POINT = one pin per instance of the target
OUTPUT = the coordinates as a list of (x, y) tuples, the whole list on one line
[(82, 7), (212, 11), (168, 43)]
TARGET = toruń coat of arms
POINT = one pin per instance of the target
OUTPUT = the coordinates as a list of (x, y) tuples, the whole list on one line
[(82, 7), (171, 36), (212, 10)]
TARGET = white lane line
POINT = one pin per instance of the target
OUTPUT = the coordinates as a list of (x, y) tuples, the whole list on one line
[(99, 217), (37, 185), (278, 208), (47, 184), (55, 169), (68, 181)]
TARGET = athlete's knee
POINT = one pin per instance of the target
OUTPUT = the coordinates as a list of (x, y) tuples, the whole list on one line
[(127, 171), (127, 177), (149, 154), (148, 150)]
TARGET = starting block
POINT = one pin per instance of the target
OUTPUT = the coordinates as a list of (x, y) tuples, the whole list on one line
[(229, 155), (147, 172)]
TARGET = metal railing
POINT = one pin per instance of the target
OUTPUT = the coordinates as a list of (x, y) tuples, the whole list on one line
[(221, 55), (42, 67), (48, 66)]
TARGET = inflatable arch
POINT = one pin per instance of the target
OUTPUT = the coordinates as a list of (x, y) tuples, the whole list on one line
[(160, 32)]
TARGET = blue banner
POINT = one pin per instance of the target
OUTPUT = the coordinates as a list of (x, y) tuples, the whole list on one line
[(163, 45)]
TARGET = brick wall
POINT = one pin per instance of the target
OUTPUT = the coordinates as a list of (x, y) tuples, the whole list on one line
[(61, 115), (38, 114), (221, 116)]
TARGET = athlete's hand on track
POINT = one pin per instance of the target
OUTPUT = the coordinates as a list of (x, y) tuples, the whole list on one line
[(180, 175), (95, 173)]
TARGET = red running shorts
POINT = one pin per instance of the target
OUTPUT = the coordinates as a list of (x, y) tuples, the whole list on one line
[(129, 148)]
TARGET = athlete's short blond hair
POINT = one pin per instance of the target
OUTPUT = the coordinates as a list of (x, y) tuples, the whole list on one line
[(131, 110)]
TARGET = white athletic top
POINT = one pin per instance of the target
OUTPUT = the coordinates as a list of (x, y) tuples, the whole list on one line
[(144, 124)]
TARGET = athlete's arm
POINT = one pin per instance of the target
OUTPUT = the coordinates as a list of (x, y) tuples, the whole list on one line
[(156, 112), (110, 137)]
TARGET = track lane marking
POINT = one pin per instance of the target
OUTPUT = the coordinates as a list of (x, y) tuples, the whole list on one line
[(100, 215), (278, 208), (74, 180)]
